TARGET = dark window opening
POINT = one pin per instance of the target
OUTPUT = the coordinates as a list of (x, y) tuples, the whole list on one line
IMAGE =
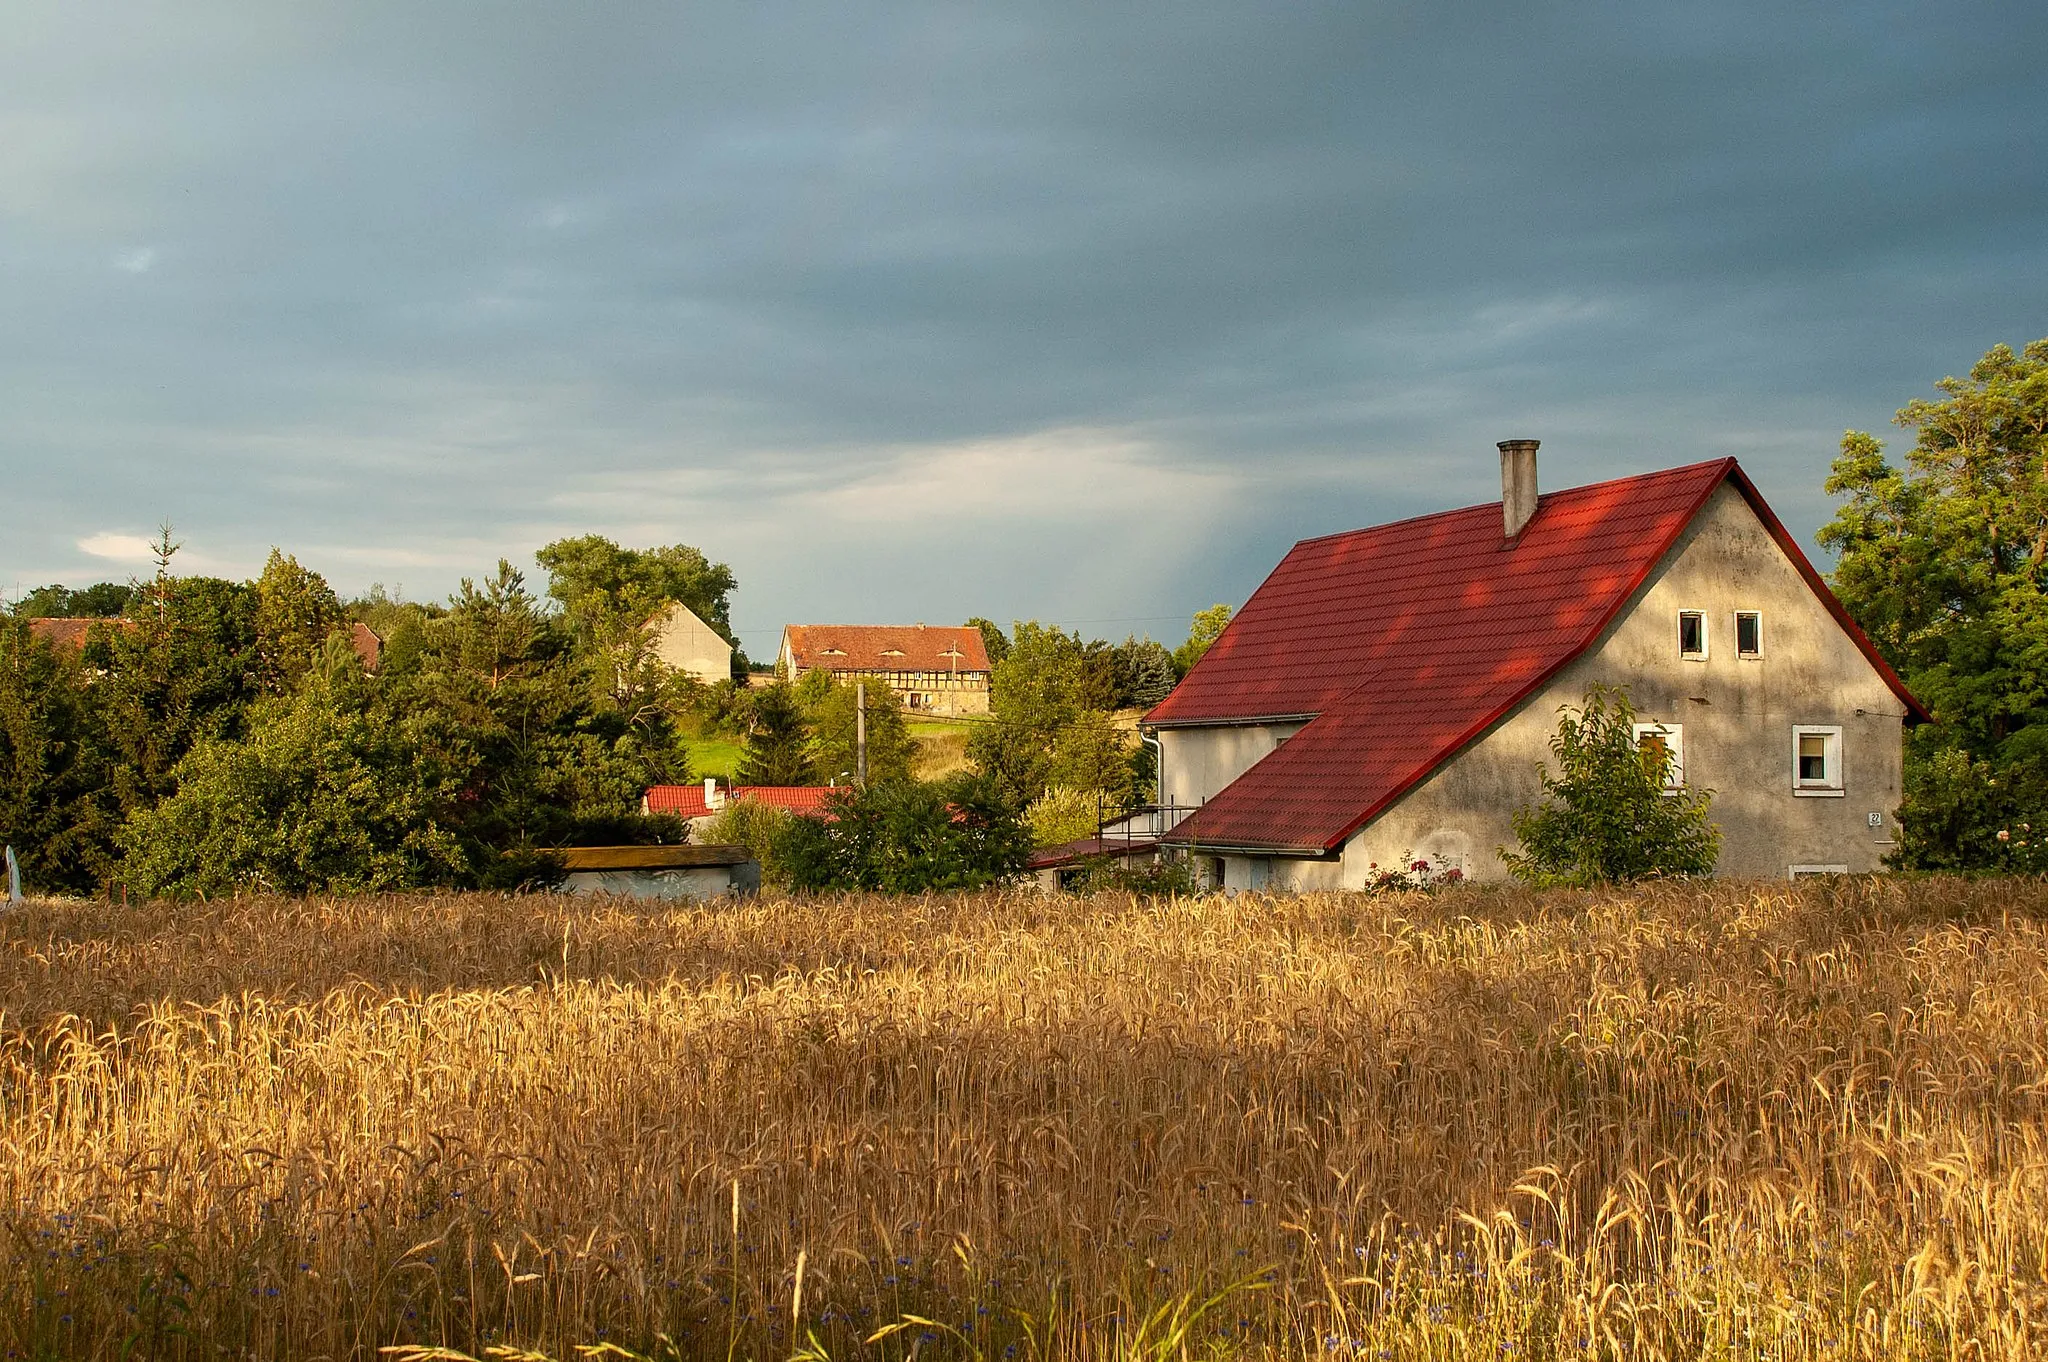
[(1692, 633), (1813, 757), (1749, 633)]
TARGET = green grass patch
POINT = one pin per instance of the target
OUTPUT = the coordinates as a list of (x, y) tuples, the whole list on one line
[(716, 755)]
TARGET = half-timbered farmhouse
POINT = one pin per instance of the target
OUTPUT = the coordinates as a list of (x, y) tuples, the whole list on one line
[(937, 669)]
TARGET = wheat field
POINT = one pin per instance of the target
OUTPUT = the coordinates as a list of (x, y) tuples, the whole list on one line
[(1723, 1121)]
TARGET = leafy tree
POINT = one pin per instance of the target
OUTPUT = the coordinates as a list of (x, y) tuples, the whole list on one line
[(325, 794), (295, 612), (1944, 563), (614, 599), (54, 807), (548, 765), (778, 750), (1609, 815), (594, 580), (102, 600), (1049, 723), (829, 706), (993, 640), (465, 768), (1964, 815), (1207, 627), (909, 837)]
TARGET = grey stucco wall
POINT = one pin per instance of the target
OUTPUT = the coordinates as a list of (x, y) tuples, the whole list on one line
[(1736, 716), (691, 646), (700, 882), (1200, 761)]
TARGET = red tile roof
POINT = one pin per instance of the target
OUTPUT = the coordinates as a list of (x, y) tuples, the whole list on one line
[(687, 801), (60, 632), (368, 644), (886, 647), (1407, 641)]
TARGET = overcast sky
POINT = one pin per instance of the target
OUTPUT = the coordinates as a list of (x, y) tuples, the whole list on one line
[(1075, 312)]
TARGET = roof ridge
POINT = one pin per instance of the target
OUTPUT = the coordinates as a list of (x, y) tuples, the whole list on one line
[(1603, 484)]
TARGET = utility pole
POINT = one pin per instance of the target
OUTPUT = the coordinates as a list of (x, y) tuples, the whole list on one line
[(860, 735)]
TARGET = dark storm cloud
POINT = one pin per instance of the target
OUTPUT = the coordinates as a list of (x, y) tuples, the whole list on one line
[(1054, 310)]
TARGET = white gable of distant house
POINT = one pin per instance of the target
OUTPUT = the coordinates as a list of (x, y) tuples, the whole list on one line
[(690, 646)]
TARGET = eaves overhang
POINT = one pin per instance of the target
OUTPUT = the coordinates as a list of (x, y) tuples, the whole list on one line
[(1235, 721)]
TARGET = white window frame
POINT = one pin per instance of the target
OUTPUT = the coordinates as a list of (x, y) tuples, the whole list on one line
[(1801, 872), (1674, 741), (1758, 616), (1701, 655), (1833, 787)]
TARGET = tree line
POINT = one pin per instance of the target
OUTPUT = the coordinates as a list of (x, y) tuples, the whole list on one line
[(212, 735)]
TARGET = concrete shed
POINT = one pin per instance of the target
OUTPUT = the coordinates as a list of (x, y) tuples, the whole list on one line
[(661, 872)]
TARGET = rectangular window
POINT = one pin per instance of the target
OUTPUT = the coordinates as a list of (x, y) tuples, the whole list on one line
[(1802, 872), (1664, 745), (1749, 634), (1692, 634), (1817, 759)]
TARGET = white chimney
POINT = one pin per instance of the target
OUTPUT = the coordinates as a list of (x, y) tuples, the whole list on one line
[(712, 798), (1517, 484)]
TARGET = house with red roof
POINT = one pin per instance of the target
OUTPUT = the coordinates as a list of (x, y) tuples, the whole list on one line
[(66, 632), (1388, 694), (689, 802), (937, 669)]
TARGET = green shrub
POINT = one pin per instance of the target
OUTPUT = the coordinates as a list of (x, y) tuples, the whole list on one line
[(1610, 816), (762, 829), (908, 837), (1063, 815)]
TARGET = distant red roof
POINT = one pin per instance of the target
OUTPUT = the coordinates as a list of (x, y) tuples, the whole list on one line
[(368, 644), (71, 633), (687, 801), (886, 647), (1405, 642)]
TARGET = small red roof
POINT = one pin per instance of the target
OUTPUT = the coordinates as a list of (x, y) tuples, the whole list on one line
[(367, 643), (885, 647), (61, 632), (1071, 853), (1405, 642), (687, 801)]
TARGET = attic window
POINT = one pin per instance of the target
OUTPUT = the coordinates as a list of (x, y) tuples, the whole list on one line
[(833, 652), (892, 652), (1749, 634), (1692, 635)]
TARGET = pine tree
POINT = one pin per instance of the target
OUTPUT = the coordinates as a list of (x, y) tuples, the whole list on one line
[(778, 750)]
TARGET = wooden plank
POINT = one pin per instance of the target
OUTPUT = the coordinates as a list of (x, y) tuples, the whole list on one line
[(651, 858)]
